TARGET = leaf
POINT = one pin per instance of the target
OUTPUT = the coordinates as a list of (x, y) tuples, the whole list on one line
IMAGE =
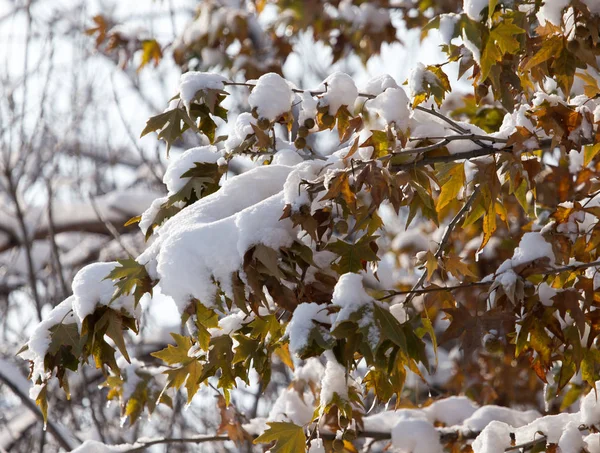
[(205, 319), (390, 327), (550, 48), (452, 180), (151, 51), (288, 437), (353, 257), (501, 41), (589, 152), (169, 125), (379, 141), (173, 355), (130, 276)]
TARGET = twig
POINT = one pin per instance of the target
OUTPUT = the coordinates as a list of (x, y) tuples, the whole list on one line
[(181, 440), (111, 228), (434, 289), (444, 242), (51, 426)]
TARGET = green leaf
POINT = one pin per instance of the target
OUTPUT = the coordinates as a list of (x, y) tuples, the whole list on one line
[(173, 355), (288, 438), (353, 257), (389, 326), (205, 319), (170, 126), (130, 276)]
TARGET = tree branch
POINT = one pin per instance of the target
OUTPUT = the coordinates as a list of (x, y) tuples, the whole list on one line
[(28, 402)]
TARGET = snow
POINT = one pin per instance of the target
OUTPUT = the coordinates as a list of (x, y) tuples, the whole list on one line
[(192, 82), (312, 371), (392, 107), (532, 246), (316, 446), (334, 381), (293, 407), (416, 78), (474, 8), (487, 414), (447, 25), (39, 341), (340, 90), (287, 157), (494, 438), (206, 241), (230, 324), (552, 11), (184, 162), (450, 411), (349, 294), (242, 128), (303, 321), (590, 409), (308, 107), (546, 293), (272, 96), (91, 288), (570, 440), (592, 443), (93, 446), (150, 214), (377, 85), (416, 436)]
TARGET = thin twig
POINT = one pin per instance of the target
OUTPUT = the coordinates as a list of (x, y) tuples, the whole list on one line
[(111, 228), (444, 242)]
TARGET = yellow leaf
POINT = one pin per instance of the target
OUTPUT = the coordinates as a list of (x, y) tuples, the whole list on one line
[(452, 181), (151, 51), (288, 437), (589, 152), (489, 225), (550, 49)]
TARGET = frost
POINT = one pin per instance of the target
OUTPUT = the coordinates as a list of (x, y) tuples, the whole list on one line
[(272, 96), (192, 82), (339, 90), (303, 321), (184, 162)]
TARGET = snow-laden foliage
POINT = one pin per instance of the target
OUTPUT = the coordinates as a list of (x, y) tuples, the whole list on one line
[(279, 243)]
